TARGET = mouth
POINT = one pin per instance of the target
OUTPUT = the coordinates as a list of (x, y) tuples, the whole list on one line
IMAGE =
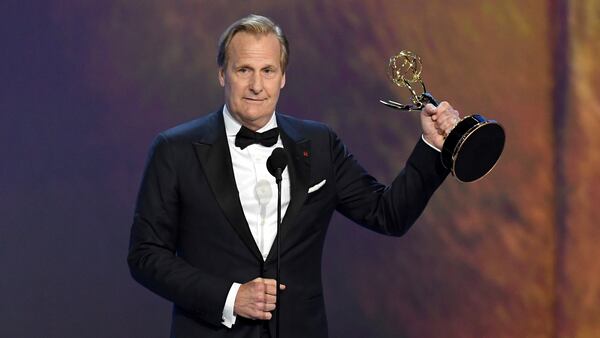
[(254, 99)]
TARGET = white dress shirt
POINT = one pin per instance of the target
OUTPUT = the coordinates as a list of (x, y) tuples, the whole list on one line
[(258, 194)]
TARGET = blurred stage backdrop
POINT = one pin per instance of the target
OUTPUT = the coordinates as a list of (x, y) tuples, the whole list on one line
[(87, 84)]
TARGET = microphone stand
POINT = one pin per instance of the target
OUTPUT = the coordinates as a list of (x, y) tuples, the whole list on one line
[(278, 244), (276, 163)]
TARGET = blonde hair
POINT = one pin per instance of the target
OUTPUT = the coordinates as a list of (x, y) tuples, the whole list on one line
[(254, 24)]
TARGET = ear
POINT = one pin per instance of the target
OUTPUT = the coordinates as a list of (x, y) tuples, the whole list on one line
[(282, 81), (222, 76)]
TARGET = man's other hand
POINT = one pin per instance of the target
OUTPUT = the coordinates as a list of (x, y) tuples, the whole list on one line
[(256, 299), (437, 122)]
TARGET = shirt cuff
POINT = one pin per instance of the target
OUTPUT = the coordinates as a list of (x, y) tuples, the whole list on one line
[(429, 144), (228, 315)]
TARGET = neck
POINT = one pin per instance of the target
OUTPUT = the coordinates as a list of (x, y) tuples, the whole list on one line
[(253, 125)]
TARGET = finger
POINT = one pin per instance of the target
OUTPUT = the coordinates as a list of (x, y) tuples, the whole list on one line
[(269, 281), (273, 282), (270, 299), (261, 315), (265, 307), (444, 106), (271, 287), (446, 121), (449, 125), (444, 129), (449, 116), (441, 129), (429, 110), (446, 114)]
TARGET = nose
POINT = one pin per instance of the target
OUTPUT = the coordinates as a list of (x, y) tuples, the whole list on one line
[(256, 83)]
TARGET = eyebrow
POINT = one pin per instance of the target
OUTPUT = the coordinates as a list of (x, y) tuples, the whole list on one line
[(246, 65)]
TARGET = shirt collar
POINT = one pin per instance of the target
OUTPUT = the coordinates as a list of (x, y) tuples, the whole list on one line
[(232, 126)]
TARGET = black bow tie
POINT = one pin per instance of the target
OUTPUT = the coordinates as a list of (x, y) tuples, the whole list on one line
[(246, 137)]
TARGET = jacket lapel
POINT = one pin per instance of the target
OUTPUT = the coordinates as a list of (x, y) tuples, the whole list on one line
[(298, 149), (213, 152)]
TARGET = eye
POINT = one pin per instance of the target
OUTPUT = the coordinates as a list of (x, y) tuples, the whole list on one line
[(243, 72), (269, 72)]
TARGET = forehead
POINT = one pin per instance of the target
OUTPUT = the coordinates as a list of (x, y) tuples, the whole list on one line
[(254, 49)]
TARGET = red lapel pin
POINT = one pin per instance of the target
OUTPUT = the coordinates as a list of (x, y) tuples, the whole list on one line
[(305, 153)]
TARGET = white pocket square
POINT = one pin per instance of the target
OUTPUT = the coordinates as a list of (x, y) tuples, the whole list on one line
[(316, 186)]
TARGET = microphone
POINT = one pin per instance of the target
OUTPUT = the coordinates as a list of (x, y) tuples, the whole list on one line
[(276, 163)]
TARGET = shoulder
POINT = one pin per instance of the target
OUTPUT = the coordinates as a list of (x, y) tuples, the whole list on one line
[(200, 130), (194, 130), (306, 128)]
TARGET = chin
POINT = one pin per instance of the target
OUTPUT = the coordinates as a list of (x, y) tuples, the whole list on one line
[(253, 115), (257, 113)]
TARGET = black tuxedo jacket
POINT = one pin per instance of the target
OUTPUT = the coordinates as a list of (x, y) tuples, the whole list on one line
[(190, 240)]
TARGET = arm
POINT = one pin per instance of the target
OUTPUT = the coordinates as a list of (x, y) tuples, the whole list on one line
[(152, 255), (392, 210)]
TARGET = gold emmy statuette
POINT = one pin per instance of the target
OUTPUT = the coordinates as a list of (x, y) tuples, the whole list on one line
[(473, 147)]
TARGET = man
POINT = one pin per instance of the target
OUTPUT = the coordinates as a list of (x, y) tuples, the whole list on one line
[(205, 219)]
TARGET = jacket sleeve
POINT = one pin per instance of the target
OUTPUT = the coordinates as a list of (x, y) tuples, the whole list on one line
[(152, 259), (388, 210)]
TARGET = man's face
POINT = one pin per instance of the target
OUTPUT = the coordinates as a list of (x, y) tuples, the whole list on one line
[(252, 78)]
